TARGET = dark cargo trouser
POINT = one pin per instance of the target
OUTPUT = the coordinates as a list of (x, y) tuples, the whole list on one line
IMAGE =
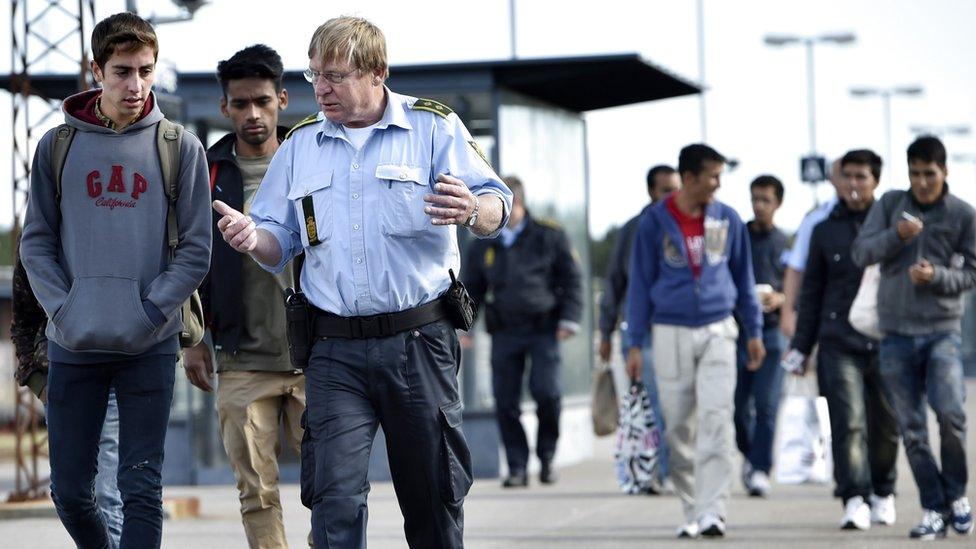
[(508, 356), (408, 384)]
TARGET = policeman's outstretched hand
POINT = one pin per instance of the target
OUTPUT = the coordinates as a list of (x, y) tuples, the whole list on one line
[(466, 341), (198, 367), (635, 363), (757, 352), (562, 334), (452, 205), (237, 229)]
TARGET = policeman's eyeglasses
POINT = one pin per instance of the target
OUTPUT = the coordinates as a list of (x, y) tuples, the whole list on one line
[(333, 77)]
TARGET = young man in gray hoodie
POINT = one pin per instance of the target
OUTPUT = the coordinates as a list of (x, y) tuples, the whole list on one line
[(96, 252), (925, 241)]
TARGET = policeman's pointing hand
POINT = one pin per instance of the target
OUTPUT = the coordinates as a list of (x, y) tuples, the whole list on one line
[(453, 204), (237, 229)]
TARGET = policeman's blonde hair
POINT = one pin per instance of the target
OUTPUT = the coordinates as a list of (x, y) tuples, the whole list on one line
[(354, 40)]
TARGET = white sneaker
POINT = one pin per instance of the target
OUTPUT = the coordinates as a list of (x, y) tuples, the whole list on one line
[(688, 531), (746, 475), (759, 485), (712, 526), (883, 509), (857, 515)]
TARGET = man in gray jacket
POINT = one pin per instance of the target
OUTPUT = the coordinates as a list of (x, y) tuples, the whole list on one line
[(925, 241), (95, 247)]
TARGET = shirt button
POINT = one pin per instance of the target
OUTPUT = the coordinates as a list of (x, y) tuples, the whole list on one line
[(833, 316), (359, 260), (355, 166), (355, 195), (403, 175), (836, 257), (355, 227)]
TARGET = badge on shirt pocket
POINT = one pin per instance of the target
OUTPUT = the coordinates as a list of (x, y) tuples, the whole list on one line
[(308, 209), (311, 196)]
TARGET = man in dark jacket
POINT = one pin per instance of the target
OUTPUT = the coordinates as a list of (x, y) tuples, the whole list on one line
[(661, 181), (529, 284), (258, 387), (925, 242), (862, 423), (757, 392)]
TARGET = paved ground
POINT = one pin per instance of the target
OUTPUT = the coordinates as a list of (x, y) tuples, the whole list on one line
[(584, 510)]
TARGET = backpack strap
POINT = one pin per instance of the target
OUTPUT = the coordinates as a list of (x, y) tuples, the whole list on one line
[(59, 154), (169, 141)]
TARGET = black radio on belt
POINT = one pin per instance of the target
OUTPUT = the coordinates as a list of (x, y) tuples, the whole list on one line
[(298, 317), (458, 304)]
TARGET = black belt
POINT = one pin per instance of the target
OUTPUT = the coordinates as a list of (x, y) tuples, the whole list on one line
[(382, 325)]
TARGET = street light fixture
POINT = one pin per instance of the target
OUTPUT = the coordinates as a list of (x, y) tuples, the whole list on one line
[(838, 38), (905, 90), (960, 130)]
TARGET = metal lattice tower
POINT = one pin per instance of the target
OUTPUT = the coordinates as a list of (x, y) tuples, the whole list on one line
[(46, 36)]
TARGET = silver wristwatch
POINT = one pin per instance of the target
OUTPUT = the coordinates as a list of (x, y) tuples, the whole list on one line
[(474, 215)]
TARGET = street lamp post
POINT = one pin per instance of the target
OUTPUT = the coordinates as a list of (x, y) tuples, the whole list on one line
[(886, 94), (808, 42)]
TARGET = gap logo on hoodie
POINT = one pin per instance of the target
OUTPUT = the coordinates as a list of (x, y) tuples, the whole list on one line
[(124, 196)]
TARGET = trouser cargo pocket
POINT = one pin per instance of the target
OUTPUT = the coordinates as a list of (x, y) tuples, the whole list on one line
[(455, 456)]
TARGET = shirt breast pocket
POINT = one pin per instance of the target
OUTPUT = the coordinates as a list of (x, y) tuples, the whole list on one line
[(402, 199), (312, 199)]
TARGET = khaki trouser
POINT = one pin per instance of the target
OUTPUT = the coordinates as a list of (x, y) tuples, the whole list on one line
[(250, 406), (696, 376)]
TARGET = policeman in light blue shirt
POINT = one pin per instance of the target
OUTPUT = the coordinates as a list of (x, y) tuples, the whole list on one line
[(371, 189)]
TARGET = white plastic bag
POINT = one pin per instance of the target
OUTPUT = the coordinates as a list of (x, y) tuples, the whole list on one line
[(638, 439), (864, 310), (803, 447)]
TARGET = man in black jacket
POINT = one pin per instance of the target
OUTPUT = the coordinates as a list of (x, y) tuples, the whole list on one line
[(258, 387), (862, 423), (530, 285)]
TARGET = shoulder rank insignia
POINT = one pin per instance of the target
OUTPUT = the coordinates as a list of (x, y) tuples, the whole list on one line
[(477, 148), (430, 105), (310, 119), (550, 223)]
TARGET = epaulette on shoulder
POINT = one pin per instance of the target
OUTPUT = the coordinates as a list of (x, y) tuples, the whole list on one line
[(549, 223), (310, 119), (430, 105)]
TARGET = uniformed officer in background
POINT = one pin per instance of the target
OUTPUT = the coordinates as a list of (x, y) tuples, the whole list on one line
[(530, 285), (370, 189)]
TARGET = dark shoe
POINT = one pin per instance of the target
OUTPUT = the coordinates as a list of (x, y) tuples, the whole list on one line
[(516, 480), (548, 475)]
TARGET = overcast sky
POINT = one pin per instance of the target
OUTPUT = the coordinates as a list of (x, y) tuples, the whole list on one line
[(756, 104)]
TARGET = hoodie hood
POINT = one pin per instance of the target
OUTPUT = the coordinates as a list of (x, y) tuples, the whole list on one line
[(79, 112)]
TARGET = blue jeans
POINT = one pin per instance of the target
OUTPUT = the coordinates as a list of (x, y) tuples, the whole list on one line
[(757, 400), (649, 377), (920, 368), (107, 496), (76, 409)]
